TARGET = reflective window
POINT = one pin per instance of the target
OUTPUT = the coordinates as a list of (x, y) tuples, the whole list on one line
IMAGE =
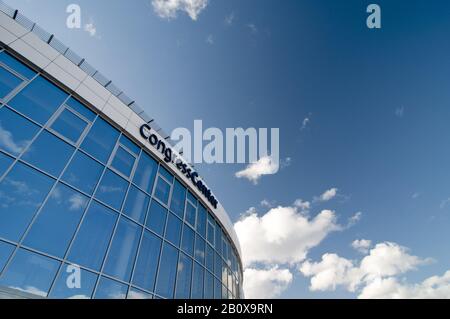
[(156, 219), (200, 250), (62, 290), (30, 272), (100, 140), (112, 189), (136, 204), (8, 82), (16, 132), (192, 198), (81, 109), (217, 289), (5, 163), (83, 173), (210, 230), (178, 199), (218, 266), (110, 289), (5, 252), (123, 161), (167, 175), (134, 293), (147, 261), (69, 125), (218, 238), (201, 220), (173, 229), (55, 225), (187, 243), (191, 212), (16, 65), (145, 173), (162, 190), (92, 240), (22, 192), (209, 258), (197, 282), (165, 284), (130, 145), (184, 274), (39, 100), (119, 263), (209, 286), (49, 153)]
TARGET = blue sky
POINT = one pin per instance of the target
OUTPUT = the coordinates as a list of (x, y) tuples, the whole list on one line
[(377, 104)]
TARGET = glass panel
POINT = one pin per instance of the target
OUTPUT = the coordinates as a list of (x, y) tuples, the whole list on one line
[(191, 213), (130, 145), (156, 219), (30, 272), (136, 204), (167, 175), (83, 173), (201, 220), (209, 258), (8, 82), (16, 132), (101, 140), (92, 240), (5, 163), (57, 222), (184, 274), (134, 293), (5, 252), (178, 199), (187, 243), (209, 286), (22, 192), (49, 153), (173, 229), (67, 285), (167, 271), (145, 173), (218, 238), (119, 263), (192, 198), (147, 261), (197, 282), (69, 125), (210, 231), (39, 100), (16, 65), (112, 189), (123, 161), (218, 265), (217, 289), (162, 190), (224, 292), (200, 249), (81, 109), (110, 289)]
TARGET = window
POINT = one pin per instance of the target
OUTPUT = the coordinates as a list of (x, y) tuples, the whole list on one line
[(134, 293), (173, 229), (8, 82), (83, 173), (81, 109), (217, 289), (30, 272), (187, 243), (130, 145), (165, 284), (62, 291), (119, 263), (49, 153), (178, 199), (210, 230), (162, 190), (55, 225), (145, 173), (69, 125), (5, 252), (17, 131), (197, 282), (209, 258), (191, 212), (123, 161), (201, 220), (218, 238), (166, 174), (200, 250), (16, 65), (92, 240), (184, 274), (136, 204), (147, 261), (39, 100), (100, 140), (5, 163), (218, 265), (23, 191), (192, 198), (209, 286), (112, 189), (110, 289), (156, 219)]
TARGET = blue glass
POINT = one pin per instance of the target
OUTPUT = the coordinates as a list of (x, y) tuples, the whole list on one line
[(100, 140), (218, 238), (123, 161), (16, 65), (209, 258), (156, 219), (210, 230), (201, 220), (173, 229), (23, 191), (145, 173), (165, 284), (30, 272), (83, 173), (187, 243), (8, 82), (16, 132), (120, 260), (112, 189), (5, 252), (224, 292), (57, 222), (92, 240), (84, 290), (209, 286), (178, 199), (69, 125), (162, 190), (199, 250), (217, 289), (49, 153), (134, 293), (81, 109), (130, 145), (147, 261), (5, 163), (110, 289), (191, 213), (184, 275), (197, 282), (218, 265), (192, 198), (136, 204), (39, 100), (167, 175)]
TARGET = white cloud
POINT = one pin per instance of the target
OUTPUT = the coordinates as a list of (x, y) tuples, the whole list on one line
[(266, 283), (210, 39), (168, 9), (305, 123), (400, 111), (229, 19), (354, 219), (254, 171), (362, 245), (253, 28), (7, 141), (91, 29), (327, 195), (267, 203), (302, 205)]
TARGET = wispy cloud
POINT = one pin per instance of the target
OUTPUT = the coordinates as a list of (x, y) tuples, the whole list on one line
[(168, 9), (305, 123), (252, 27), (229, 19), (210, 39), (400, 111), (91, 29)]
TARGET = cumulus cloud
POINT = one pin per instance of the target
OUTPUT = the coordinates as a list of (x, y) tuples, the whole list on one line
[(327, 195), (362, 245), (302, 205), (254, 171), (168, 9), (266, 283)]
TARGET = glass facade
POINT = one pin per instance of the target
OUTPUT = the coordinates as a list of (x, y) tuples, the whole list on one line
[(78, 196)]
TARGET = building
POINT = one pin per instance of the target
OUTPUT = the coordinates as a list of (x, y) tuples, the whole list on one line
[(94, 201)]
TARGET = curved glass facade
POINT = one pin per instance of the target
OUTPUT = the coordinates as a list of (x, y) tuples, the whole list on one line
[(79, 197)]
